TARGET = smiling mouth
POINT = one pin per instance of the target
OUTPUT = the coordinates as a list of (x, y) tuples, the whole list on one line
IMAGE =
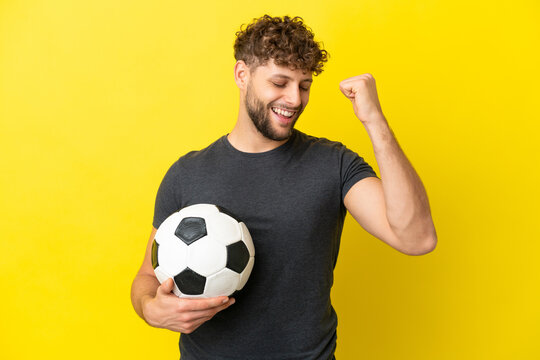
[(282, 112)]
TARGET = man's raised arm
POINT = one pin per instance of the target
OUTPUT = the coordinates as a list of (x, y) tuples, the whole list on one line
[(395, 209)]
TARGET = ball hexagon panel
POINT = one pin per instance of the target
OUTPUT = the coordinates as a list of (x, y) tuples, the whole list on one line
[(168, 227), (237, 256), (160, 275), (206, 256), (172, 255), (223, 228), (189, 282), (224, 282)]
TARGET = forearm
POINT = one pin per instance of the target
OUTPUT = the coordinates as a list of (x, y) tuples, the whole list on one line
[(144, 287), (407, 205)]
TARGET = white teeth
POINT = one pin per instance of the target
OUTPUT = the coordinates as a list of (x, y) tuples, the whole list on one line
[(283, 112)]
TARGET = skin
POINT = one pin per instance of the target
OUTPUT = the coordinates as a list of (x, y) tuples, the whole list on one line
[(272, 86), (395, 208), (261, 113), (159, 307)]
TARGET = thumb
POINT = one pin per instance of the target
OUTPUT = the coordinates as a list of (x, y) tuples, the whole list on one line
[(166, 287), (348, 91)]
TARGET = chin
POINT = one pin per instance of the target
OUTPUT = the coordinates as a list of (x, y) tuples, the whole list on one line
[(285, 133)]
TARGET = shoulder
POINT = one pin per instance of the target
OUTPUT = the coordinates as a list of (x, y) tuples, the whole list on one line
[(319, 144), (194, 156), (192, 160), (328, 151)]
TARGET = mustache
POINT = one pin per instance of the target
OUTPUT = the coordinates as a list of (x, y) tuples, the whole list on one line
[(285, 107)]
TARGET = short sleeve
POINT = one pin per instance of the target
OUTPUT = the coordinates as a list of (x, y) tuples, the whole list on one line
[(353, 169), (166, 198)]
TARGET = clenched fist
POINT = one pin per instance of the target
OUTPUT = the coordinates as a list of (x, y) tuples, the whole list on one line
[(362, 92)]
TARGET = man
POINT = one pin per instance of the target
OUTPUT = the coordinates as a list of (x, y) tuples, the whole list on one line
[(293, 191)]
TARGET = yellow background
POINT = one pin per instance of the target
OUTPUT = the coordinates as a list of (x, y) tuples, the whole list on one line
[(98, 98)]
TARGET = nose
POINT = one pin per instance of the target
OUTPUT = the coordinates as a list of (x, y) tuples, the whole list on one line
[(292, 97)]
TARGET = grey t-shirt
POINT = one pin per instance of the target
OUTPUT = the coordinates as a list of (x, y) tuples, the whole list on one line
[(291, 199)]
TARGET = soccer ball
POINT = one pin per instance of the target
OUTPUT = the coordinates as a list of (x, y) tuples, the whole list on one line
[(205, 250)]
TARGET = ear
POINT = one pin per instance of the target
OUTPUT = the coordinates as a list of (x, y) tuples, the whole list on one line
[(241, 74)]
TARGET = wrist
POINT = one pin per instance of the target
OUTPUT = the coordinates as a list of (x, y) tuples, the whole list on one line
[(377, 127), (375, 119), (145, 300), (372, 117)]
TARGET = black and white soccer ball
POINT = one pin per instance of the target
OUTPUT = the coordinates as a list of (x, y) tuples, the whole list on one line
[(205, 250)]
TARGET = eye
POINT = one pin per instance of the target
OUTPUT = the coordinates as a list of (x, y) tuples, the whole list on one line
[(305, 89), (279, 85)]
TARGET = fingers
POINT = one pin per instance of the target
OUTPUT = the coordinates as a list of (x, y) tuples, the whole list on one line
[(166, 287), (205, 304), (207, 313), (191, 320), (213, 310), (347, 86), (167, 311), (348, 92)]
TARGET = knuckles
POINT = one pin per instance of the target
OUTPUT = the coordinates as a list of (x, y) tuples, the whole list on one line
[(184, 317), (177, 314)]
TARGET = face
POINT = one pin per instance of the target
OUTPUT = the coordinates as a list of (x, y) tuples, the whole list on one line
[(275, 97)]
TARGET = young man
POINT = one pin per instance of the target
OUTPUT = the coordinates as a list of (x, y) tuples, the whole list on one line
[(293, 191)]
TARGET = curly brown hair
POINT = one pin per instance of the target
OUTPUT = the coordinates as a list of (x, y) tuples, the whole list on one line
[(288, 41)]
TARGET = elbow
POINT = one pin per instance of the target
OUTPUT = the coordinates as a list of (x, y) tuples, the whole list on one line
[(423, 247), (418, 240)]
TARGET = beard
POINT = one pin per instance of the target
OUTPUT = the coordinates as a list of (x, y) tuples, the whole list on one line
[(260, 116)]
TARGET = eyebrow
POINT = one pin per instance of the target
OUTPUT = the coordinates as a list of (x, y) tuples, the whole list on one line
[(283, 76)]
